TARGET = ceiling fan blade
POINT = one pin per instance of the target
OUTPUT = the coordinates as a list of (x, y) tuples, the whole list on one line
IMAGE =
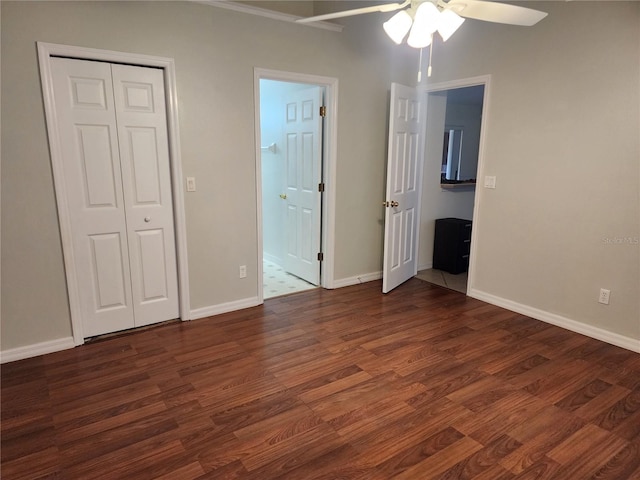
[(496, 12), (388, 7)]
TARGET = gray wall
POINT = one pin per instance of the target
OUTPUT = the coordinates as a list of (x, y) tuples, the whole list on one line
[(215, 51), (562, 140)]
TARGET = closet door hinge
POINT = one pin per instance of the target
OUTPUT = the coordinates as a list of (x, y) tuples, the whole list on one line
[(321, 187), (323, 111), (320, 256)]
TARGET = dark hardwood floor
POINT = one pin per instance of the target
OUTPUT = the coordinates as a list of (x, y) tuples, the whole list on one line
[(346, 384)]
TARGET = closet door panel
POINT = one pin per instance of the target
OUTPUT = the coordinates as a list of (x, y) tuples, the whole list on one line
[(146, 175), (87, 129)]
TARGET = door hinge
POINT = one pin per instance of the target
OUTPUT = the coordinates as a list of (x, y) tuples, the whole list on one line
[(323, 111), (320, 256), (321, 187)]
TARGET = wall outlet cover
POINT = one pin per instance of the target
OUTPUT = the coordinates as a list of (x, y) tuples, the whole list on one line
[(604, 296)]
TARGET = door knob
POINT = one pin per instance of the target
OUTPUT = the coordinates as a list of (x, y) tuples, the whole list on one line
[(394, 203), (283, 196), (147, 219)]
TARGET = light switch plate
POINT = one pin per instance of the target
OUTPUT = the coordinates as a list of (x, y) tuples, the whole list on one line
[(489, 182), (191, 184)]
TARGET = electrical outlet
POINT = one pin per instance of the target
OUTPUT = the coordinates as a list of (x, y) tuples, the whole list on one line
[(243, 271), (191, 184), (604, 296)]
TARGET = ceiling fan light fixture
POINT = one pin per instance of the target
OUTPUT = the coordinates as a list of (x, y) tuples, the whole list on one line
[(449, 22), (419, 39), (398, 26), (424, 24), (427, 17)]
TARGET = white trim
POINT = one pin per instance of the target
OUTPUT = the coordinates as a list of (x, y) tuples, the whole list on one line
[(330, 155), (209, 311), (460, 83), (622, 341), (36, 349), (45, 52), (272, 258), (358, 279), (272, 14), (477, 199), (425, 266)]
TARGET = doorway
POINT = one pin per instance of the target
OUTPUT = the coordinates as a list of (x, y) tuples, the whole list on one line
[(455, 128), (295, 145), (291, 128), (139, 244)]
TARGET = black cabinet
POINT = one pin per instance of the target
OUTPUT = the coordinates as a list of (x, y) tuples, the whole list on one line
[(452, 245)]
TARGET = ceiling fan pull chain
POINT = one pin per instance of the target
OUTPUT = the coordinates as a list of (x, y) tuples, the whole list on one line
[(430, 55), (420, 67)]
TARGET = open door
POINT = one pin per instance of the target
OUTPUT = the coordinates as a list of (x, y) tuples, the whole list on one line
[(303, 152), (404, 185)]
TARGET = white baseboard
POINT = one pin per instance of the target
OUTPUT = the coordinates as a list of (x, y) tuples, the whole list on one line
[(36, 349), (272, 258), (426, 266), (559, 321), (43, 348), (224, 308), (365, 277)]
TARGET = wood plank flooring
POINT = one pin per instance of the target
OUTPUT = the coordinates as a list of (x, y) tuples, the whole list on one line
[(421, 383)]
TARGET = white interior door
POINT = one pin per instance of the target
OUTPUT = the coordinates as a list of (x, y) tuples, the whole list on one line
[(303, 153), (110, 169), (404, 185)]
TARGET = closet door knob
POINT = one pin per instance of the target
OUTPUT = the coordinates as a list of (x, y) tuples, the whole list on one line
[(147, 219)]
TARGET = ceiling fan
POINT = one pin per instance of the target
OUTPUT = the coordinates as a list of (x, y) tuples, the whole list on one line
[(422, 18)]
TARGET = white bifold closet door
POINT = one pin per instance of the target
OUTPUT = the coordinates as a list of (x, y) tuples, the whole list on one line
[(113, 135)]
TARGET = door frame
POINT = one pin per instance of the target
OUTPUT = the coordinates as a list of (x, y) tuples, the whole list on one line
[(45, 52), (329, 155), (477, 198)]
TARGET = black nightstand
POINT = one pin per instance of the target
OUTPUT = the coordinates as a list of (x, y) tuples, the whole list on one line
[(452, 245)]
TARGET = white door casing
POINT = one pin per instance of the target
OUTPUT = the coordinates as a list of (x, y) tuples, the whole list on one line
[(330, 86), (46, 54), (303, 155), (404, 185), (112, 163), (462, 83)]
